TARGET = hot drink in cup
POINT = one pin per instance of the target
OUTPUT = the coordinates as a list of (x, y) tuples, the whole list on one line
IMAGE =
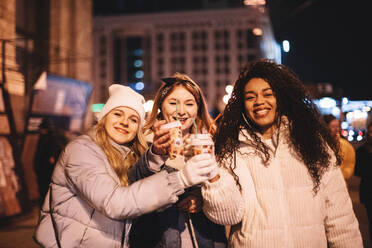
[(202, 143), (176, 147)]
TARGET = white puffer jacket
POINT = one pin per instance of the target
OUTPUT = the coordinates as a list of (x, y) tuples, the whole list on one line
[(277, 206), (90, 207)]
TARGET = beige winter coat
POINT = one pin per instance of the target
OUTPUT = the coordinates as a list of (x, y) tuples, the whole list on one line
[(277, 206)]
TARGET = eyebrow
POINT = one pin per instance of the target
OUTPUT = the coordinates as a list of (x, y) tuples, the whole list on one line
[(131, 115), (189, 99), (266, 89)]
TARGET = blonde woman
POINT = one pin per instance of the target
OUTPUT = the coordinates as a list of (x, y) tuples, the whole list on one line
[(90, 202)]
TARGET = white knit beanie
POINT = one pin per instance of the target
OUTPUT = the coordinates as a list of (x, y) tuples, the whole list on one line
[(121, 95)]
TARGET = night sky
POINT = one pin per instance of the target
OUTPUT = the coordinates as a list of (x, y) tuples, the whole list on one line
[(329, 39), (329, 43)]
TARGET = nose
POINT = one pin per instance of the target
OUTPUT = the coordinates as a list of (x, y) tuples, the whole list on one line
[(259, 100), (124, 121), (181, 109)]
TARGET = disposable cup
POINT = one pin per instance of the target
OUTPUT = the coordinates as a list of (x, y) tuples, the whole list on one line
[(202, 143), (175, 149)]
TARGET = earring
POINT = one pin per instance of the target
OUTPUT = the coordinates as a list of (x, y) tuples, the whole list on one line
[(246, 121)]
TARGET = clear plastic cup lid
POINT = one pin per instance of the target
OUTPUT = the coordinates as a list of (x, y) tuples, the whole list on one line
[(201, 139), (171, 125)]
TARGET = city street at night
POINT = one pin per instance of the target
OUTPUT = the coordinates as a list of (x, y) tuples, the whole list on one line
[(17, 232), (89, 88)]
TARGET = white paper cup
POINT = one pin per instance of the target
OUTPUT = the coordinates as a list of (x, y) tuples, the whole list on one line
[(176, 147)]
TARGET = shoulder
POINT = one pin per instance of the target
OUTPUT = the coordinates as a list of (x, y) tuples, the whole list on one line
[(346, 145), (80, 143)]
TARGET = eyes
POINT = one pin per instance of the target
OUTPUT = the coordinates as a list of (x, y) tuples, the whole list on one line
[(253, 96), (188, 103), (131, 119)]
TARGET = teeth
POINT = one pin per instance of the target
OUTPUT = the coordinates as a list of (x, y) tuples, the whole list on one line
[(262, 111), (180, 119)]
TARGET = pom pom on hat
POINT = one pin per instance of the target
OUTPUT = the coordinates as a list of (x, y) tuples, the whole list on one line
[(121, 95)]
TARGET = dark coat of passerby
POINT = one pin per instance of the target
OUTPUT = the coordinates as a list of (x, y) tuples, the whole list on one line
[(363, 169), (50, 144)]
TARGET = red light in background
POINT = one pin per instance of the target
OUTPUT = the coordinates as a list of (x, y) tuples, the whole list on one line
[(344, 133)]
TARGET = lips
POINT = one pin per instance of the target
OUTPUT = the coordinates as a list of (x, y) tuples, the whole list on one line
[(120, 130), (182, 120), (261, 112)]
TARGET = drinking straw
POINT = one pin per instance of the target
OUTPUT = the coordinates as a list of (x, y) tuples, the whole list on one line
[(214, 121), (176, 109), (196, 128)]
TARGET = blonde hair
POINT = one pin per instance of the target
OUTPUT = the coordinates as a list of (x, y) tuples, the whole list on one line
[(203, 119), (116, 159)]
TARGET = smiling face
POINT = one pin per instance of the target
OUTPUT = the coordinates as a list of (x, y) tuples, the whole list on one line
[(180, 104), (122, 124), (260, 105)]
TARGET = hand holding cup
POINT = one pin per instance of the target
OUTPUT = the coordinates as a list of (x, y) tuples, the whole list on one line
[(162, 140), (198, 170)]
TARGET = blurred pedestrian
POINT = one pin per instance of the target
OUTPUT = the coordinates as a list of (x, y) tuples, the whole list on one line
[(184, 224), (90, 202), (279, 183), (347, 150), (50, 144), (363, 169)]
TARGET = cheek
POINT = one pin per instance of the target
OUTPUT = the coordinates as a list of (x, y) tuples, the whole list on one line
[(134, 128), (247, 107), (166, 112), (193, 112), (107, 126)]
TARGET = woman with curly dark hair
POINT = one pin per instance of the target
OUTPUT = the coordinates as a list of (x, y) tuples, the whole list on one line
[(280, 184)]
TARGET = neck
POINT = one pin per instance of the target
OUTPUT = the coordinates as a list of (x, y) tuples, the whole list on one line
[(267, 133)]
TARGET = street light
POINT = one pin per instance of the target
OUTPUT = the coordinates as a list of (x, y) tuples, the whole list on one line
[(286, 46), (148, 105)]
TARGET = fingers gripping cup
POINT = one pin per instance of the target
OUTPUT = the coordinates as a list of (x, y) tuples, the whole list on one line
[(176, 147)]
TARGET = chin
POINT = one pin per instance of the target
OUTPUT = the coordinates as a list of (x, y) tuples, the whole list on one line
[(186, 126)]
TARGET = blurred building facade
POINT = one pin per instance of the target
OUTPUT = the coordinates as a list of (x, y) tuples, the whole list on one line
[(211, 46), (38, 37)]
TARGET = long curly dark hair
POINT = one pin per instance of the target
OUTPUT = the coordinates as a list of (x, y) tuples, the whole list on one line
[(309, 135)]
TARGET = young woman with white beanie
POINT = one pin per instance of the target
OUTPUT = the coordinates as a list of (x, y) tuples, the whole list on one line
[(90, 202)]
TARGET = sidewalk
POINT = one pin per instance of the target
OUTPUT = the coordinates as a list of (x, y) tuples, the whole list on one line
[(17, 232)]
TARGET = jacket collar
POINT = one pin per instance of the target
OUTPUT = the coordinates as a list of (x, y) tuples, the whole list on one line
[(122, 148), (283, 131)]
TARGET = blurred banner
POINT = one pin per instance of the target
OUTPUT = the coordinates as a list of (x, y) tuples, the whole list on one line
[(60, 100), (64, 100)]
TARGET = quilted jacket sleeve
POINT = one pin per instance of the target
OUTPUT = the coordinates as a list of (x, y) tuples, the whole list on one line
[(89, 177), (222, 201), (341, 225)]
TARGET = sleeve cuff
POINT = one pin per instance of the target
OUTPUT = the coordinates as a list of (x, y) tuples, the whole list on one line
[(155, 161)]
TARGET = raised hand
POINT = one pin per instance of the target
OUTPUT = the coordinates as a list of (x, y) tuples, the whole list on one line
[(198, 169), (161, 139)]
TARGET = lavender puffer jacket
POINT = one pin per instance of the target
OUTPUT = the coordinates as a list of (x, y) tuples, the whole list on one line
[(90, 207)]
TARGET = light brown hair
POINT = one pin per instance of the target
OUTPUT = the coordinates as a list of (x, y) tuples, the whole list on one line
[(116, 159), (203, 119)]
